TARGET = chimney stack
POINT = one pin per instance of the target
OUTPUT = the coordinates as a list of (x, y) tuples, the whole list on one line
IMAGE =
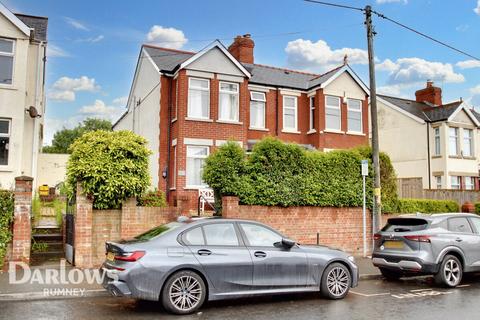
[(430, 94), (242, 48)]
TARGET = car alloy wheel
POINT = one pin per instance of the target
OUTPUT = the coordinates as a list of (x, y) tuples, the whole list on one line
[(336, 281), (184, 292), (452, 272)]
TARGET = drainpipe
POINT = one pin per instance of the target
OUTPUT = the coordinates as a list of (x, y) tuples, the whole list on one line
[(169, 144), (35, 138), (277, 112), (428, 155)]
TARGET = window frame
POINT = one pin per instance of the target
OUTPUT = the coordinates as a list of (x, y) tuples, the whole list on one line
[(339, 108), (12, 55), (437, 144), (311, 101), (471, 142), (237, 93), (188, 186), (349, 109), (237, 234), (438, 182), (174, 182), (198, 89), (295, 109), (468, 224), (457, 144), (459, 182), (245, 238), (9, 136), (264, 102), (472, 180)]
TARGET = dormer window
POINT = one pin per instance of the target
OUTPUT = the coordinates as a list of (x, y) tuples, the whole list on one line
[(7, 48)]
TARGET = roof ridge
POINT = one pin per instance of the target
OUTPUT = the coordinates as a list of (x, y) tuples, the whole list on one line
[(167, 49), (327, 72), (285, 69)]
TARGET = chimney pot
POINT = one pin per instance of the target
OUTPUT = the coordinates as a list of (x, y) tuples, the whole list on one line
[(429, 94), (242, 48)]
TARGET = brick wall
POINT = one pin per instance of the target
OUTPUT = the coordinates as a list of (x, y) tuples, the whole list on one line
[(340, 228), (22, 229)]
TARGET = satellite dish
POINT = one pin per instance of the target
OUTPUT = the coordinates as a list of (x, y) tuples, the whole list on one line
[(32, 112)]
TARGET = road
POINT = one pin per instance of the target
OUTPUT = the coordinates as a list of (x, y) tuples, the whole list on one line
[(373, 299)]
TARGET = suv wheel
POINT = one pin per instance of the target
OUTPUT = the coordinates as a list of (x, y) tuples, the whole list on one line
[(450, 273), (390, 274), (183, 293), (336, 281)]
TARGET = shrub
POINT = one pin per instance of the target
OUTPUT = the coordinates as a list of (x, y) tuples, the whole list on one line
[(426, 206), (477, 207), (6, 219), (111, 166), (152, 199)]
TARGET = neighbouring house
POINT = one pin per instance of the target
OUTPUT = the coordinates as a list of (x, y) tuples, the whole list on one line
[(428, 139), (23, 42), (188, 103)]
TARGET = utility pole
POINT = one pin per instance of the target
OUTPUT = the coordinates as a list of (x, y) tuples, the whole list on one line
[(373, 115)]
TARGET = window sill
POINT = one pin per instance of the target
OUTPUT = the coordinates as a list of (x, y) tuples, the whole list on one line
[(229, 122), (194, 187), (311, 131), (470, 158), (455, 157), (8, 87), (173, 189), (199, 119), (173, 120), (291, 131), (258, 129), (6, 169), (333, 131), (355, 133), (437, 156)]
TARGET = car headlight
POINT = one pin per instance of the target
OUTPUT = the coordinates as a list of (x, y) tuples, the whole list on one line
[(351, 258)]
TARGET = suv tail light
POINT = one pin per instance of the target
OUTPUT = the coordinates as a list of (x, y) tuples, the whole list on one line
[(377, 236), (131, 256), (418, 238)]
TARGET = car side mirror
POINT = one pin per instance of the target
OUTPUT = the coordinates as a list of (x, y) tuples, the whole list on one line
[(288, 243)]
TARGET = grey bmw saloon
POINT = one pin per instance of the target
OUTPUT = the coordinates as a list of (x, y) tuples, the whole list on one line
[(183, 263)]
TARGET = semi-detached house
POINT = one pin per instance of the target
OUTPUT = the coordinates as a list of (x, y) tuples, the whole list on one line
[(188, 103)]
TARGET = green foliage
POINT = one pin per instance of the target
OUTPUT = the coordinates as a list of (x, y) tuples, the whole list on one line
[(477, 207), (283, 174), (111, 165), (36, 208), (426, 206), (64, 138), (6, 219), (152, 199), (39, 246)]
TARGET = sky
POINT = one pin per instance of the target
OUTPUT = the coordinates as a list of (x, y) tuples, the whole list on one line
[(93, 46)]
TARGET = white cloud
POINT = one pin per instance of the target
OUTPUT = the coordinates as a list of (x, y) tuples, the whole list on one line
[(76, 24), (477, 9), (122, 101), (406, 71), (64, 88), (305, 54), (462, 27), (393, 90), (100, 110), (475, 90), (468, 64), (92, 39), (55, 51), (166, 37), (391, 1)]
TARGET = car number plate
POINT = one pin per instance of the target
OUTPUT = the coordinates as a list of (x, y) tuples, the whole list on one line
[(110, 256), (393, 244)]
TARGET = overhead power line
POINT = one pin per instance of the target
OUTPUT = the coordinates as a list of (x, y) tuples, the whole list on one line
[(335, 5)]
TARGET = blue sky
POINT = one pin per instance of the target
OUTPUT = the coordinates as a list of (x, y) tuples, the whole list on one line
[(94, 45)]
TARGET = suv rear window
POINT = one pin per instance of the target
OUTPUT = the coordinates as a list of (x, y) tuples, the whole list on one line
[(405, 225)]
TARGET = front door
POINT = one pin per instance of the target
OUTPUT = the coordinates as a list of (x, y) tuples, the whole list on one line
[(223, 256), (274, 266)]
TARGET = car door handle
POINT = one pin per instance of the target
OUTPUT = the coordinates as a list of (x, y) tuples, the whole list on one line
[(458, 240), (204, 252), (260, 254)]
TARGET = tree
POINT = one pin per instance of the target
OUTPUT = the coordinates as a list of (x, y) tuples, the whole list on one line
[(64, 138)]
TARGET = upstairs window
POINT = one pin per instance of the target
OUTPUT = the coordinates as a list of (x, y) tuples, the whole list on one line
[(290, 113), (4, 141), (354, 115), (333, 115), (453, 142), (312, 113), (257, 110), (228, 101), (198, 98), (436, 133), (7, 48), (467, 143)]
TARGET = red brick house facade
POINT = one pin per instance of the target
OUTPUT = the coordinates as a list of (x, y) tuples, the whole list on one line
[(219, 94)]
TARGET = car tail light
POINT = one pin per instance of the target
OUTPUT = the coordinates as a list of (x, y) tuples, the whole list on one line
[(131, 257), (418, 238), (377, 236)]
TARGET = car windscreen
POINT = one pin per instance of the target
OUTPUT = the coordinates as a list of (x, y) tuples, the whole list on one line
[(405, 225), (155, 232)]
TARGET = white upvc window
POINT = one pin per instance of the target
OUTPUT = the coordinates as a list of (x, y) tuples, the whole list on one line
[(438, 182), (453, 141), (467, 147), (257, 110), (174, 182), (354, 115), (175, 112), (469, 183), (228, 103), (455, 182), (290, 114), (5, 129), (437, 148), (312, 113), (7, 53), (198, 98), (333, 113), (196, 156)]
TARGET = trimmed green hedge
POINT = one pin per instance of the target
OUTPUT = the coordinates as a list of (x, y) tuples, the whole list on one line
[(6, 219), (427, 206), (282, 174), (477, 207), (154, 198)]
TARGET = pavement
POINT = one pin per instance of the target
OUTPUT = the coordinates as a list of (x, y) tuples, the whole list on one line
[(12, 286)]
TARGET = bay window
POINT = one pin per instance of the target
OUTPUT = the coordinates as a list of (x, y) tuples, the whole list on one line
[(453, 141), (257, 110), (333, 115), (455, 182), (354, 115), (4, 141), (436, 133), (228, 103), (467, 148), (438, 182), (196, 156), (290, 113), (7, 51), (198, 98), (469, 183)]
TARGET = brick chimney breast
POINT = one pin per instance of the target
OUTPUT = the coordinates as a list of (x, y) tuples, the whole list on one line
[(429, 94), (242, 48)]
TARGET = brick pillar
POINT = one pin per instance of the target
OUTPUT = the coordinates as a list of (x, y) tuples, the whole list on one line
[(22, 229), (182, 204), (83, 230), (230, 206), (130, 224)]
